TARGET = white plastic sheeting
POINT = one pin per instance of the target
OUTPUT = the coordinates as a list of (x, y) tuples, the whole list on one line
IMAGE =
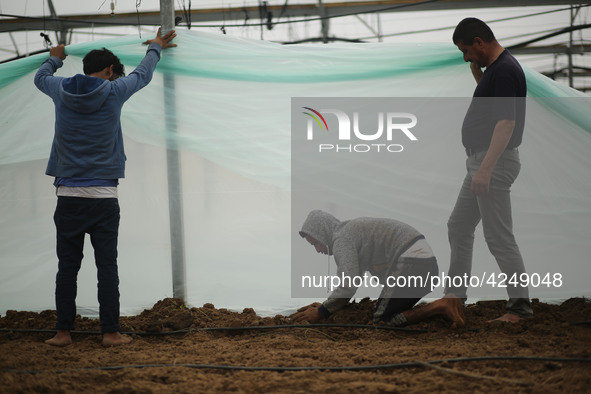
[(232, 122)]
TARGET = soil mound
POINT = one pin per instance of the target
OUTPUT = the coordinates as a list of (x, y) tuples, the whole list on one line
[(182, 349)]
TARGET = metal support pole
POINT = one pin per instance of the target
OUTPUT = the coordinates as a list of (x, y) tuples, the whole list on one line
[(175, 201), (570, 48), (324, 22), (62, 34), (379, 22), (14, 43), (166, 15)]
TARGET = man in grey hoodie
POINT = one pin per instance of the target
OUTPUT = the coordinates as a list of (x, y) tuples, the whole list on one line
[(388, 249)]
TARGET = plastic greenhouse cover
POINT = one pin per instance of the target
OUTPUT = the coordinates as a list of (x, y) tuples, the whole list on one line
[(231, 116)]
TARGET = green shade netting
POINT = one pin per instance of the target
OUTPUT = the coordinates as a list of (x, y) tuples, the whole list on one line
[(224, 104)]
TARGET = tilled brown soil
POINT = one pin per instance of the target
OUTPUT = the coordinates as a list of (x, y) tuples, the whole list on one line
[(175, 350)]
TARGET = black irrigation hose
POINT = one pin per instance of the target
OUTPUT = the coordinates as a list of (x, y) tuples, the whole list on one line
[(185, 331), (252, 328), (312, 368)]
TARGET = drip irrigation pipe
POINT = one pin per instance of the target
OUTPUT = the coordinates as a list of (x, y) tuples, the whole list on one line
[(311, 368), (580, 323), (247, 328), (252, 328)]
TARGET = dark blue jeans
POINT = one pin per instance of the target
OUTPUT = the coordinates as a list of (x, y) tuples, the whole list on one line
[(74, 218)]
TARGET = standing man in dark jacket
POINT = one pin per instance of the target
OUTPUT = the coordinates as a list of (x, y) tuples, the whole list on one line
[(492, 131), (87, 159)]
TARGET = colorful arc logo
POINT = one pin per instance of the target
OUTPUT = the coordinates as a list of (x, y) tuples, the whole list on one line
[(315, 118)]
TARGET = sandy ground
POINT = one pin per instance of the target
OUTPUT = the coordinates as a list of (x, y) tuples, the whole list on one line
[(549, 353)]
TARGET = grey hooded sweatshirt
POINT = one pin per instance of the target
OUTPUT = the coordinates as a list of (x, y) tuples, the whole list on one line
[(358, 245)]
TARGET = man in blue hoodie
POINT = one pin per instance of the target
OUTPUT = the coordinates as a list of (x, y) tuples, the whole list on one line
[(87, 158)]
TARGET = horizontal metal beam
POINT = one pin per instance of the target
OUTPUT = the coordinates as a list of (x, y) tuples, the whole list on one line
[(245, 14), (564, 74), (552, 49)]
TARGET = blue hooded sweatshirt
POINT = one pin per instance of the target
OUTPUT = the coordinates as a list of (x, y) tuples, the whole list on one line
[(88, 142)]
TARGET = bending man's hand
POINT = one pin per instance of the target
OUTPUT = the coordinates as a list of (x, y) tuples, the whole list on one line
[(58, 51), (163, 41), (308, 314)]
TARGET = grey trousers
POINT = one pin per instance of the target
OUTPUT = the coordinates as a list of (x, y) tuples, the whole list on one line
[(494, 209)]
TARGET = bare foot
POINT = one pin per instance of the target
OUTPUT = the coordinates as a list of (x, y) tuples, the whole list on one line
[(115, 339), (61, 339), (453, 310), (450, 308), (507, 317)]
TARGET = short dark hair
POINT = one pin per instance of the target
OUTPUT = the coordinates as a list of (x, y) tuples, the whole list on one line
[(470, 28), (99, 59)]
